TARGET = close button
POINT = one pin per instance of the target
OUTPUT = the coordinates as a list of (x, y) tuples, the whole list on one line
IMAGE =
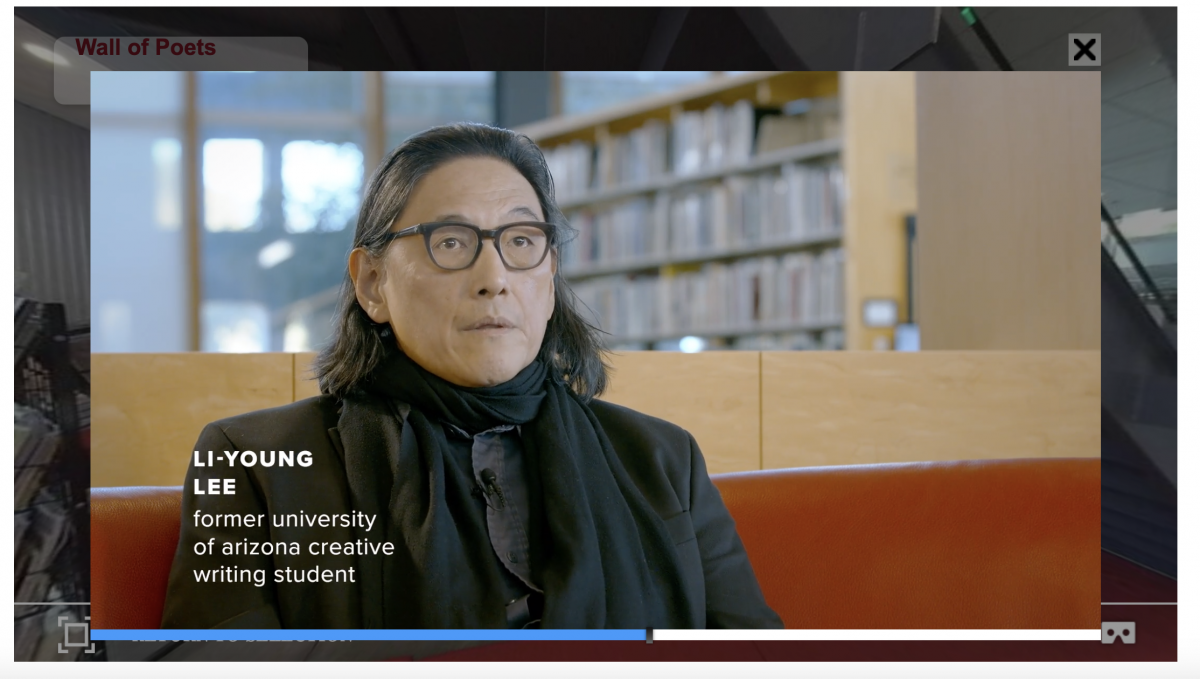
[(1083, 49)]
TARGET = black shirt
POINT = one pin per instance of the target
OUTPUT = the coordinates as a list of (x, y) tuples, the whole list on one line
[(496, 458)]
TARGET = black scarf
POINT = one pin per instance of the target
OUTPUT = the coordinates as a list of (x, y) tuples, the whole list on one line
[(608, 561)]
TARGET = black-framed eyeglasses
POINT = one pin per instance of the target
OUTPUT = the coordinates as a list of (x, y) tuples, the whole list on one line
[(456, 245)]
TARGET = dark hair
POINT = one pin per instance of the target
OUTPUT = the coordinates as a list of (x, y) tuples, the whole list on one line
[(571, 348)]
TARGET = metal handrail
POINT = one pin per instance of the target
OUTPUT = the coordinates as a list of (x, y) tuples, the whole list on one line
[(1138, 267)]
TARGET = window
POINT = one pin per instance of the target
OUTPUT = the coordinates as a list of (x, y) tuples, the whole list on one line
[(282, 173), (139, 250), (233, 184), (168, 183), (283, 160), (321, 183), (416, 100), (584, 91), (237, 326)]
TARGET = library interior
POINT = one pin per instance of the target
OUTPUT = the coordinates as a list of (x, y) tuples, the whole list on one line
[(731, 210), (800, 251), (805, 270)]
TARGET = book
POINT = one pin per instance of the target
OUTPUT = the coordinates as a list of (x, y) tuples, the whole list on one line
[(695, 141), (795, 204), (570, 168), (781, 132), (767, 294), (741, 132), (820, 120)]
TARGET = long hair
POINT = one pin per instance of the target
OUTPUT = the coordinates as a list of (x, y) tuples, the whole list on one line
[(572, 348)]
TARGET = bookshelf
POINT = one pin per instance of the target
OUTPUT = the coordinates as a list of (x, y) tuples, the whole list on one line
[(749, 331), (722, 210), (810, 151), (649, 264)]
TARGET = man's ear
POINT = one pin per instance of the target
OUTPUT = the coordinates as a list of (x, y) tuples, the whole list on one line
[(367, 274)]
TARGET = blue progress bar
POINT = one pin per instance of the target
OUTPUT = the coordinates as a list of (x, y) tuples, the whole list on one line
[(367, 635)]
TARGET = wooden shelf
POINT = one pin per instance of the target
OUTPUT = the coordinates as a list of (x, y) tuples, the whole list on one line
[(764, 88), (761, 329), (648, 264), (810, 151)]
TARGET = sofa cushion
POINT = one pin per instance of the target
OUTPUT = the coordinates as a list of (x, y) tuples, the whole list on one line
[(977, 544), (973, 544), (134, 535)]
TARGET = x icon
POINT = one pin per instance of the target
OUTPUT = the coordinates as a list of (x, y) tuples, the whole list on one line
[(1084, 49)]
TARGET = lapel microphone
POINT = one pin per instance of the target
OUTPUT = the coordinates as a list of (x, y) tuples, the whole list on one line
[(490, 486)]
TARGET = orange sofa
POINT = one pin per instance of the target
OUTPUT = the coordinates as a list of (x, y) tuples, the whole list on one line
[(936, 545)]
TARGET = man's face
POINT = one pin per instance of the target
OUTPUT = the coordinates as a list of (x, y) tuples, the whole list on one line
[(474, 327)]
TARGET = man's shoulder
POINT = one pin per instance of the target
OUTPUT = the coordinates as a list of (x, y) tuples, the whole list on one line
[(617, 418), (297, 422), (649, 447)]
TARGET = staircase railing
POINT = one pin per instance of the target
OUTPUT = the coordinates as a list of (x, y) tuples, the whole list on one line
[(1115, 241)]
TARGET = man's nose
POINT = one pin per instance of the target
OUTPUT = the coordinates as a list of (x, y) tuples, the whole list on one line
[(491, 276)]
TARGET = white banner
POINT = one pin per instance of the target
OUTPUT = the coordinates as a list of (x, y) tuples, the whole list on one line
[(878, 635)]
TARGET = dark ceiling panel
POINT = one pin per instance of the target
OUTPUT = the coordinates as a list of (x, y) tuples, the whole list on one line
[(58, 22), (392, 37), (1132, 72), (667, 27), (1021, 30), (599, 38), (1123, 198), (504, 38), (715, 39), (770, 39), (948, 53), (889, 36), (317, 24), (1135, 139), (1154, 170), (363, 46), (1156, 101), (1115, 116), (434, 36), (824, 38), (1162, 22)]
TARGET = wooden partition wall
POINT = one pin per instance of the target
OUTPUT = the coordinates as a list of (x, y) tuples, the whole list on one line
[(747, 410), (1008, 177)]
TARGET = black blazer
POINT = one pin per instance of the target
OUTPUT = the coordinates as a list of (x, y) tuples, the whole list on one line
[(661, 458)]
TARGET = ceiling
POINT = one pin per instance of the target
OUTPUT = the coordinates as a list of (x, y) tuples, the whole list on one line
[(34, 76), (1138, 89)]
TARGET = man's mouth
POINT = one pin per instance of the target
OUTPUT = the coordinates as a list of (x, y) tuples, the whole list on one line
[(492, 323)]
